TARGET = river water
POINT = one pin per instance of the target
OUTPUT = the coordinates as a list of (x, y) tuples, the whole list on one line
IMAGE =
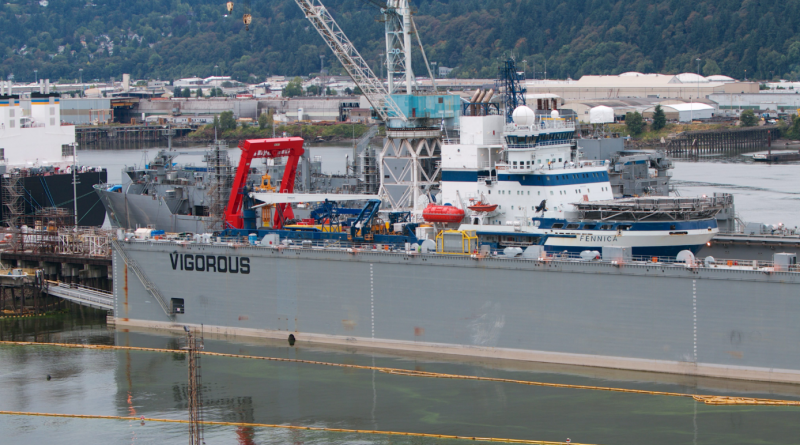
[(135, 383)]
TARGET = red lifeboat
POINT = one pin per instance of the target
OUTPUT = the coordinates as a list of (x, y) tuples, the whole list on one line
[(483, 207), (442, 214)]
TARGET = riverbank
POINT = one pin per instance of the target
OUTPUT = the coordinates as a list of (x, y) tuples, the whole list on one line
[(339, 132)]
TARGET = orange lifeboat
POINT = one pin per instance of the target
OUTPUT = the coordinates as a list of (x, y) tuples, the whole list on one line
[(442, 214), (483, 207)]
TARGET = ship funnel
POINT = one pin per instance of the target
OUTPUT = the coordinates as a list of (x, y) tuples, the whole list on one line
[(475, 96)]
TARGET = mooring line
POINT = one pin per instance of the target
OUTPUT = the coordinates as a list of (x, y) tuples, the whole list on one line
[(291, 427), (707, 399)]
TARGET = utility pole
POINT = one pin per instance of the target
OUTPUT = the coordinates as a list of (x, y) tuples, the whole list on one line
[(322, 74), (74, 146), (698, 86)]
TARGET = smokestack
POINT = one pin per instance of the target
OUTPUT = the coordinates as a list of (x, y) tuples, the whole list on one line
[(47, 86), (475, 96)]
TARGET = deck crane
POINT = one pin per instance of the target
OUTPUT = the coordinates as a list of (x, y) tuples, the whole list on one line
[(291, 148), (414, 122)]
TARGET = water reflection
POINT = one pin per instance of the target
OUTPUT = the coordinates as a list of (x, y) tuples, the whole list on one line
[(134, 383)]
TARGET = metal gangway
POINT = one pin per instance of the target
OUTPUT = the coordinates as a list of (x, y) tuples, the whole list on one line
[(83, 295)]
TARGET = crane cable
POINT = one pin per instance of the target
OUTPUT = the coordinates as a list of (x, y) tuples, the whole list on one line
[(707, 399)]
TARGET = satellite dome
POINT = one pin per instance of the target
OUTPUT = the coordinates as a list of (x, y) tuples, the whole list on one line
[(523, 116), (554, 114)]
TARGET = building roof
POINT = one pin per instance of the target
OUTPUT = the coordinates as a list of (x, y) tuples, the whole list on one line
[(689, 107), (690, 78), (633, 79), (720, 78)]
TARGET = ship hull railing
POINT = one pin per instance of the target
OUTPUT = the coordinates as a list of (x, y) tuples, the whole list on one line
[(548, 123), (497, 254), (503, 166), (522, 147)]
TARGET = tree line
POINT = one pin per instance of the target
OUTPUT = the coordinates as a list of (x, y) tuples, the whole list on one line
[(553, 39)]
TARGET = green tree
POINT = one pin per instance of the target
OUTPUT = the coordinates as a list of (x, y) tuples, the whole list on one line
[(711, 68), (791, 131), (313, 90), (634, 122), (294, 88), (357, 91), (659, 118), (199, 93), (262, 121), (227, 121), (748, 118), (186, 93), (176, 92)]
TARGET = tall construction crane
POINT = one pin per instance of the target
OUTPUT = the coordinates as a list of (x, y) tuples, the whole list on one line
[(414, 122), (353, 63)]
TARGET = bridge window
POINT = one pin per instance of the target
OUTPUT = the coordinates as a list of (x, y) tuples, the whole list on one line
[(558, 225), (573, 226), (606, 227), (589, 226)]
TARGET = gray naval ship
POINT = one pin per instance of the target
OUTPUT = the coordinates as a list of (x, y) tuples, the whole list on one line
[(166, 195), (715, 318)]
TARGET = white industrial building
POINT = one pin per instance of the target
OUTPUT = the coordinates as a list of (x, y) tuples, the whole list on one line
[(683, 112), (639, 85), (787, 101)]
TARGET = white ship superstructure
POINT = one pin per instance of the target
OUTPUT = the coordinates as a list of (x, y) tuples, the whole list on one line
[(523, 183), (31, 134), (519, 166)]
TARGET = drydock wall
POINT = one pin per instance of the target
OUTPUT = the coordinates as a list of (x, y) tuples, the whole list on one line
[(710, 322)]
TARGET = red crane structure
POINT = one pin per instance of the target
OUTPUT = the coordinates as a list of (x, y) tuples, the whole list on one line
[(291, 148)]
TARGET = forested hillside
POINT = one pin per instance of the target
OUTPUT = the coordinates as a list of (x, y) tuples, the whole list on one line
[(169, 39)]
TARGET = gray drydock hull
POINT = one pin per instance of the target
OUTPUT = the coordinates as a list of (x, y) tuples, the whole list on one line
[(720, 322)]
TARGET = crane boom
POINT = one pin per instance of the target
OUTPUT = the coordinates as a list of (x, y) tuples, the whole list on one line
[(353, 63)]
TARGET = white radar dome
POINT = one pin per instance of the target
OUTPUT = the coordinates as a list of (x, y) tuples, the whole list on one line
[(523, 116), (554, 114)]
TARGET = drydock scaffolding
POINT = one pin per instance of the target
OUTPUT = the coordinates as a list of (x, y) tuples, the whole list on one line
[(13, 192), (220, 181)]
